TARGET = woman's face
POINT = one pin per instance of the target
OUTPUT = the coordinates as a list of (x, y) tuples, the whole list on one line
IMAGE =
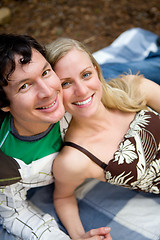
[(82, 90)]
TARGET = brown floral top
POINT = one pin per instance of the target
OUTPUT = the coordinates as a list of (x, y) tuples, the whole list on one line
[(136, 164)]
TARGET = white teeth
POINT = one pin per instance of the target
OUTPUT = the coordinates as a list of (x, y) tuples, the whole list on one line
[(84, 102), (49, 105)]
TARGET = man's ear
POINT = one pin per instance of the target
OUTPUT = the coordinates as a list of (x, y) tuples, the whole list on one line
[(5, 109)]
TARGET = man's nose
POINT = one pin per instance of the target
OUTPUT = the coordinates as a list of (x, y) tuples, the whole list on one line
[(44, 89)]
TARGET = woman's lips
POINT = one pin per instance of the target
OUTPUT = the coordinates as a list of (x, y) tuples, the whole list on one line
[(84, 102)]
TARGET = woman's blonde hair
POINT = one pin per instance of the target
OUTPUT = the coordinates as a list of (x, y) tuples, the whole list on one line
[(118, 93)]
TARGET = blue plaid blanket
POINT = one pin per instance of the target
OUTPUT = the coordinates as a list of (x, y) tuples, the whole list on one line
[(130, 214)]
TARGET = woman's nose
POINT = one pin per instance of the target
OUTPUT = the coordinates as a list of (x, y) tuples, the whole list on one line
[(80, 89)]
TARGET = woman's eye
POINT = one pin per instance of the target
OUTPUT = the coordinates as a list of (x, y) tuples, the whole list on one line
[(87, 74), (65, 84)]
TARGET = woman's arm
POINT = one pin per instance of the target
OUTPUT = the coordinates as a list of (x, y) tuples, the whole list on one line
[(148, 89), (151, 91), (98, 234), (69, 173), (67, 210)]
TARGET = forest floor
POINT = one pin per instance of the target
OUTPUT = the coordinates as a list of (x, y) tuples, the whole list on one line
[(97, 23)]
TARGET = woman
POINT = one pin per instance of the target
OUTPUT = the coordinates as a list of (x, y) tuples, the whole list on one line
[(112, 135)]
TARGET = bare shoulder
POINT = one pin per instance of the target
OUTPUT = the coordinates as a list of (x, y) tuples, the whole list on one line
[(71, 162), (148, 89), (133, 78)]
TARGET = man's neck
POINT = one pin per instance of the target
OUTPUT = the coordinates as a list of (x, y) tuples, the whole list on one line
[(32, 130)]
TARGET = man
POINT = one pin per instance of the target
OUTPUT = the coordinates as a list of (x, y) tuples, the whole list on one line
[(30, 137)]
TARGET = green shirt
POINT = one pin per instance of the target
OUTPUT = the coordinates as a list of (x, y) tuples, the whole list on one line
[(30, 148)]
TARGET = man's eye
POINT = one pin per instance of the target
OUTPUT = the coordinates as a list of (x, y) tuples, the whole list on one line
[(24, 86), (45, 73), (65, 84)]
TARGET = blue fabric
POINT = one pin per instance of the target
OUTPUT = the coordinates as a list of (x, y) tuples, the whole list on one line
[(149, 67), (135, 50), (4, 235), (134, 44), (130, 214)]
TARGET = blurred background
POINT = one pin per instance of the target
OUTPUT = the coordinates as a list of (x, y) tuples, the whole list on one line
[(97, 23)]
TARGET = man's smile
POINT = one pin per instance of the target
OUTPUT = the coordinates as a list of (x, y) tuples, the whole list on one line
[(47, 106)]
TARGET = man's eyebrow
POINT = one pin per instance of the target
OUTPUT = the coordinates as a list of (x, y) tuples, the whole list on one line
[(26, 79), (18, 82), (46, 65)]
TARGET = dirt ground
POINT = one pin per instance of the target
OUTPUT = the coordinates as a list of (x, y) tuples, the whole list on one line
[(94, 22)]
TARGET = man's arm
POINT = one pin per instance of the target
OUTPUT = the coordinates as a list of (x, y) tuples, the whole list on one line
[(23, 220)]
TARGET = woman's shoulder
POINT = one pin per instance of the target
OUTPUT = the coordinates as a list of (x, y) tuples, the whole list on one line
[(71, 161)]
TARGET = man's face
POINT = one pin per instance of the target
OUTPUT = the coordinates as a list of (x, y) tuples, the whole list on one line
[(35, 95)]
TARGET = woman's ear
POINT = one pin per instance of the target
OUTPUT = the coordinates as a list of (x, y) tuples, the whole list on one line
[(5, 109)]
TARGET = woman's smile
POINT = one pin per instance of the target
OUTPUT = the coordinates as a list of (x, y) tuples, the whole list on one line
[(84, 103)]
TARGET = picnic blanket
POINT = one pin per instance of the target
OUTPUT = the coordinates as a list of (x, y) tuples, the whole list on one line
[(130, 214)]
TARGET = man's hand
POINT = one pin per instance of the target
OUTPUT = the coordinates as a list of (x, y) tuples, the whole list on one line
[(98, 234)]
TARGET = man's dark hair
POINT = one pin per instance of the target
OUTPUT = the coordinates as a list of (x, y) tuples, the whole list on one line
[(11, 45)]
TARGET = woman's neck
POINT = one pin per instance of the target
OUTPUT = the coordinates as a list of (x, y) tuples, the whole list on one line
[(102, 119)]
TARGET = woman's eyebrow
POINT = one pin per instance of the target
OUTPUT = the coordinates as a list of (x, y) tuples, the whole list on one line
[(67, 78), (85, 69)]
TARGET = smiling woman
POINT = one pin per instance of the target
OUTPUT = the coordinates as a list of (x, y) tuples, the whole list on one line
[(105, 138), (82, 89)]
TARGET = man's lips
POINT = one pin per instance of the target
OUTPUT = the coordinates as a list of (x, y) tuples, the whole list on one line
[(48, 106), (86, 101)]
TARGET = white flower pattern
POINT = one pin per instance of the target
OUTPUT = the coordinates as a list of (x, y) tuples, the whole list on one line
[(140, 120), (151, 178), (126, 153), (119, 180), (148, 171)]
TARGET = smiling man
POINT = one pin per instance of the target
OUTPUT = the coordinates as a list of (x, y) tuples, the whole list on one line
[(30, 137)]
